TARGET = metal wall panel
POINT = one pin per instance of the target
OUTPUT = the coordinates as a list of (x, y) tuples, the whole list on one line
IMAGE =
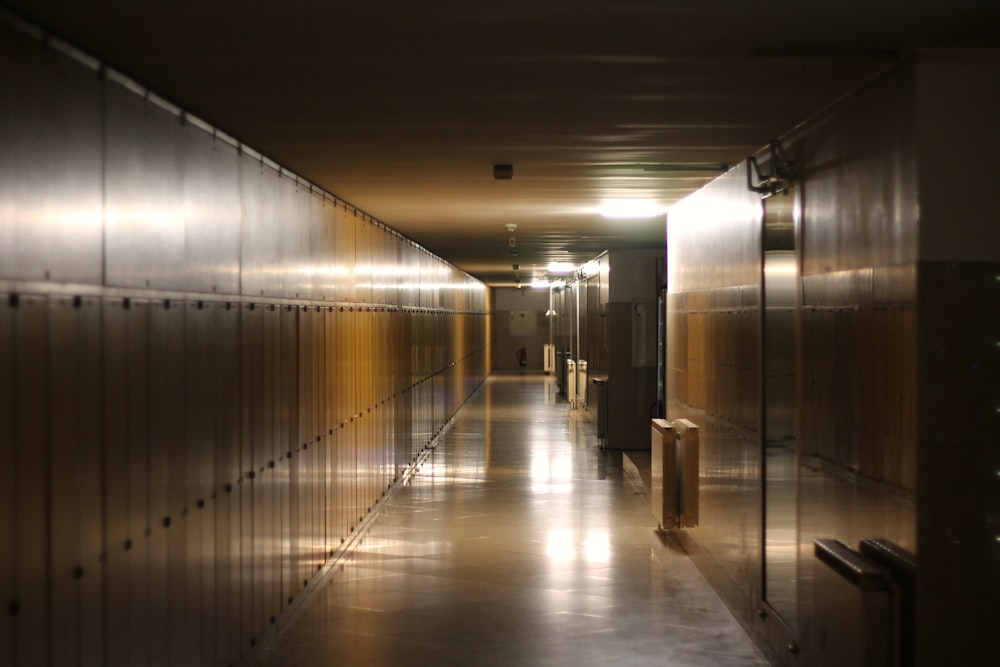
[(167, 572), (32, 631), (116, 477), (261, 230), (346, 223), (226, 562), (364, 269), (90, 483), (144, 586), (212, 216), (50, 177), (143, 193), (713, 357), (8, 473), (65, 555), (325, 249), (295, 268), (200, 458)]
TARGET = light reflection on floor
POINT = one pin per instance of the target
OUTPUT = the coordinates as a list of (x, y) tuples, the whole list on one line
[(518, 543)]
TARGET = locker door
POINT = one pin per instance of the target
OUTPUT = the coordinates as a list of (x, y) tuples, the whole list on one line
[(167, 568), (7, 472), (31, 479), (142, 584), (90, 435)]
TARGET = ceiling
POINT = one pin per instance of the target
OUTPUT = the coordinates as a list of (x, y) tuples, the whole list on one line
[(403, 108)]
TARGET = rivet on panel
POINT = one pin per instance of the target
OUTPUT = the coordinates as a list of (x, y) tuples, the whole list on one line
[(201, 503), (166, 522), (128, 545), (78, 572), (77, 301), (13, 301)]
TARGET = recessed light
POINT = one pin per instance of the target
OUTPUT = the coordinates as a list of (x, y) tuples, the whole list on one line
[(560, 267), (631, 208)]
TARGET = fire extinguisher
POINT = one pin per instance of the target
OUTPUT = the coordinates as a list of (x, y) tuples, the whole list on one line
[(522, 357)]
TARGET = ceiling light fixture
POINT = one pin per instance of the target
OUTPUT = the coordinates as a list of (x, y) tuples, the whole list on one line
[(560, 267), (631, 208)]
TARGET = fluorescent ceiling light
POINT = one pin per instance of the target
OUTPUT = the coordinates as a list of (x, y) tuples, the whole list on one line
[(561, 267), (539, 283), (631, 208)]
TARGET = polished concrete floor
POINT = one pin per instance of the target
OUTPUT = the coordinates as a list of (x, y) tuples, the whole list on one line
[(519, 542)]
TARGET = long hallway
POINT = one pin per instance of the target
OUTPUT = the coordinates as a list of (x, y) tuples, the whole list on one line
[(518, 542)]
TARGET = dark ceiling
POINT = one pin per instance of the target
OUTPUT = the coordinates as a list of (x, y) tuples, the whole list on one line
[(402, 108)]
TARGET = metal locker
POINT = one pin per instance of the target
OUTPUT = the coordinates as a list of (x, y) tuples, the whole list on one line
[(227, 456), (114, 321), (304, 415), (90, 437), (32, 636), (65, 556), (8, 473), (196, 448), (329, 426), (168, 644), (138, 538)]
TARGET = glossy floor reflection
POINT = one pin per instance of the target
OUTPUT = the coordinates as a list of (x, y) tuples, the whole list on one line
[(519, 542)]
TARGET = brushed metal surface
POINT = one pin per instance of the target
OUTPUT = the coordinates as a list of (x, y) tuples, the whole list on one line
[(90, 481), (50, 177), (261, 229), (32, 643), (8, 472), (144, 210), (346, 253), (713, 366), (199, 459), (140, 520), (212, 213), (115, 377)]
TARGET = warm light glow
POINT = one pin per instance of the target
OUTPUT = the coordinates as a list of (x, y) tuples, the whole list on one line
[(591, 268), (631, 208), (561, 267), (597, 547), (540, 283)]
